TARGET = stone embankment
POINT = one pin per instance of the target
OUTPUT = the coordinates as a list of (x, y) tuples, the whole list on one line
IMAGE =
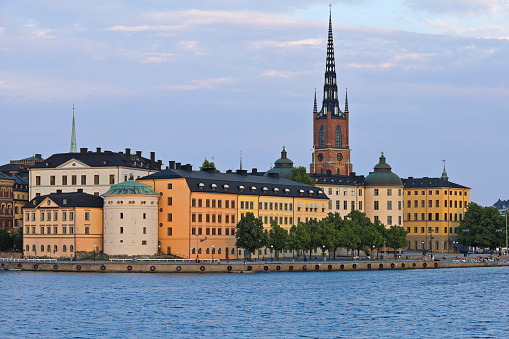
[(109, 267)]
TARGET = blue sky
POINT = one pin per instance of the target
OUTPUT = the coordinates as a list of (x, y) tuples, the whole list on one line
[(427, 80)]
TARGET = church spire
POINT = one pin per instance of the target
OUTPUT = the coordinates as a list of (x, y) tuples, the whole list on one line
[(315, 107), (330, 89), (346, 101), (444, 173), (73, 135)]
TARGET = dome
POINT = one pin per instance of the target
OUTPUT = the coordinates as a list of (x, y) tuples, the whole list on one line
[(130, 187), (283, 166), (383, 176)]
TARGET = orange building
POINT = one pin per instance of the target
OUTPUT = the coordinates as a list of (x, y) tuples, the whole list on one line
[(60, 225), (199, 210)]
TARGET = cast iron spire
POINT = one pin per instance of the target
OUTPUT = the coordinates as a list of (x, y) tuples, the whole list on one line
[(330, 88), (315, 107), (73, 135), (346, 100)]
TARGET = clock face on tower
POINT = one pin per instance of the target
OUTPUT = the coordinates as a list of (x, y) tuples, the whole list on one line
[(320, 156), (340, 156)]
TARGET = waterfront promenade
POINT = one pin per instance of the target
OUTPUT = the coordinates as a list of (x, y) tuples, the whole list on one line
[(209, 266)]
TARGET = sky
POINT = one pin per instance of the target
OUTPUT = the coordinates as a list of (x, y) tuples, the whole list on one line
[(427, 81)]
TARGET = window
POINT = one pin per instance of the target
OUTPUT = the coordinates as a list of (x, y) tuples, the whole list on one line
[(64, 216), (71, 230), (170, 217), (437, 203), (376, 206), (337, 204), (352, 205), (437, 216), (121, 215), (360, 193), (170, 201), (345, 205), (64, 230), (219, 203), (52, 180), (200, 203), (423, 203), (112, 179), (55, 230), (193, 202), (144, 215), (87, 230), (193, 231), (338, 137), (430, 217), (96, 179), (399, 205), (213, 218), (73, 180), (64, 248), (422, 216), (352, 192), (344, 191), (121, 230), (360, 205), (170, 231), (55, 216), (242, 205), (422, 229), (83, 179), (233, 233), (64, 180), (389, 205), (213, 203), (322, 137), (389, 192), (87, 215), (219, 231), (226, 231), (389, 220), (207, 231), (193, 217), (399, 192), (213, 231), (233, 219), (227, 204), (415, 229), (330, 190), (376, 192), (207, 203), (415, 216), (227, 218), (42, 216), (170, 186), (71, 248), (38, 180), (207, 217), (48, 216)]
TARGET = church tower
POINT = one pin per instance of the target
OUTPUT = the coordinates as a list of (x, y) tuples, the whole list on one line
[(331, 150), (73, 134)]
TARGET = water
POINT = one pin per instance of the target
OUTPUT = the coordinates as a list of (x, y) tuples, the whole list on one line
[(444, 303)]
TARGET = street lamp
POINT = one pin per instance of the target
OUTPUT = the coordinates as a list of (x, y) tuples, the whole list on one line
[(431, 240), (94, 252), (323, 252), (213, 250), (455, 245), (423, 250), (372, 252), (271, 249)]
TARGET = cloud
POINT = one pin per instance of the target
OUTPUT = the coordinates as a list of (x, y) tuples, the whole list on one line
[(280, 74), (156, 57), (1, 29), (209, 83), (454, 7), (39, 33), (283, 44), (453, 27), (143, 28)]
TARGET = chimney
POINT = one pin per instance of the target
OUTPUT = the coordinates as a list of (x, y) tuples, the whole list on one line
[(229, 171), (98, 149), (83, 150), (138, 154), (38, 156), (254, 171), (59, 191), (187, 167), (80, 190), (159, 164), (242, 172), (172, 164), (177, 165), (128, 157), (152, 159), (352, 174)]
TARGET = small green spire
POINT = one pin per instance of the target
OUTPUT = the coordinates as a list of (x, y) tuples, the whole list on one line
[(444, 173), (73, 134)]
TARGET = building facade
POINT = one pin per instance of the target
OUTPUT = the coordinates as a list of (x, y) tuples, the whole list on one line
[(199, 210), (93, 172), (130, 220), (6, 201), (60, 225), (331, 148), (433, 210)]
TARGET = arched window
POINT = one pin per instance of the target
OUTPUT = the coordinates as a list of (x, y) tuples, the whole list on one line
[(233, 250), (199, 250), (33, 248), (207, 251), (219, 250), (55, 249), (64, 248), (213, 250), (42, 248), (338, 137), (71, 248), (322, 137), (194, 251), (49, 248), (28, 248)]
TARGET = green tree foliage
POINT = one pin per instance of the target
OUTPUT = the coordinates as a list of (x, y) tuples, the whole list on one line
[(396, 237), (277, 237), (6, 240), (208, 164), (302, 237), (299, 174), (348, 238), (250, 234), (482, 227)]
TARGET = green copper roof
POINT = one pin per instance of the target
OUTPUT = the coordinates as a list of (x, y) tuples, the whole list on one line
[(383, 176), (283, 166), (131, 187)]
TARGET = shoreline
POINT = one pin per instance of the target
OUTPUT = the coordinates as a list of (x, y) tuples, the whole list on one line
[(256, 267)]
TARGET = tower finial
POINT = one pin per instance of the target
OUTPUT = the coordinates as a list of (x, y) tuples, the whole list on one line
[(73, 134), (346, 100), (444, 173), (241, 160), (315, 107)]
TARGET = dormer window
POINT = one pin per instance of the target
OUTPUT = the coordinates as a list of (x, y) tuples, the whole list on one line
[(200, 186), (301, 192), (214, 186), (225, 187), (241, 188), (253, 189), (320, 193), (265, 190), (276, 190), (310, 192), (287, 191)]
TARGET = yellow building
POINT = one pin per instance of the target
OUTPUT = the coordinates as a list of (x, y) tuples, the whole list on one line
[(433, 210), (61, 225), (199, 210)]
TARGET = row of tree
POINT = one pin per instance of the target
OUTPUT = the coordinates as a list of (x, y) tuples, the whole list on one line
[(355, 233), (482, 227), (11, 240)]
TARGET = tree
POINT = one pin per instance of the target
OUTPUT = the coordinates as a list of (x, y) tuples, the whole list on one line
[(326, 235), (347, 238), (396, 237), (6, 241), (299, 174), (301, 238), (469, 225), (481, 227), (278, 237), (208, 164), (250, 235)]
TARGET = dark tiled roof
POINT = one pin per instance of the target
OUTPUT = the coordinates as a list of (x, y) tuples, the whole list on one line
[(74, 199), (340, 180), (430, 182), (19, 179), (235, 180), (13, 167), (96, 159)]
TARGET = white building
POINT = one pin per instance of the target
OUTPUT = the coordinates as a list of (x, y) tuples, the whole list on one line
[(94, 172), (130, 219)]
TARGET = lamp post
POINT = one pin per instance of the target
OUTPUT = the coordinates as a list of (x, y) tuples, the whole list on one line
[(423, 250), (455, 246), (323, 252), (197, 248), (271, 249), (431, 240), (213, 250), (94, 252)]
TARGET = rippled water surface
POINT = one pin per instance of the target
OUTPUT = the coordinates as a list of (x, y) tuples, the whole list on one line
[(444, 303)]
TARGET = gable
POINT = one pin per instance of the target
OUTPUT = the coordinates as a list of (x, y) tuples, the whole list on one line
[(48, 203), (73, 164)]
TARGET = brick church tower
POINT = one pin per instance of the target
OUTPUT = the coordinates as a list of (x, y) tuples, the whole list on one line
[(331, 150)]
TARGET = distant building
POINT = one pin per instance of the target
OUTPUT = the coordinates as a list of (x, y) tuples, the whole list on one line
[(199, 210), (433, 210), (28, 162), (6, 201), (131, 219), (282, 166), (61, 224), (502, 206), (94, 172)]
